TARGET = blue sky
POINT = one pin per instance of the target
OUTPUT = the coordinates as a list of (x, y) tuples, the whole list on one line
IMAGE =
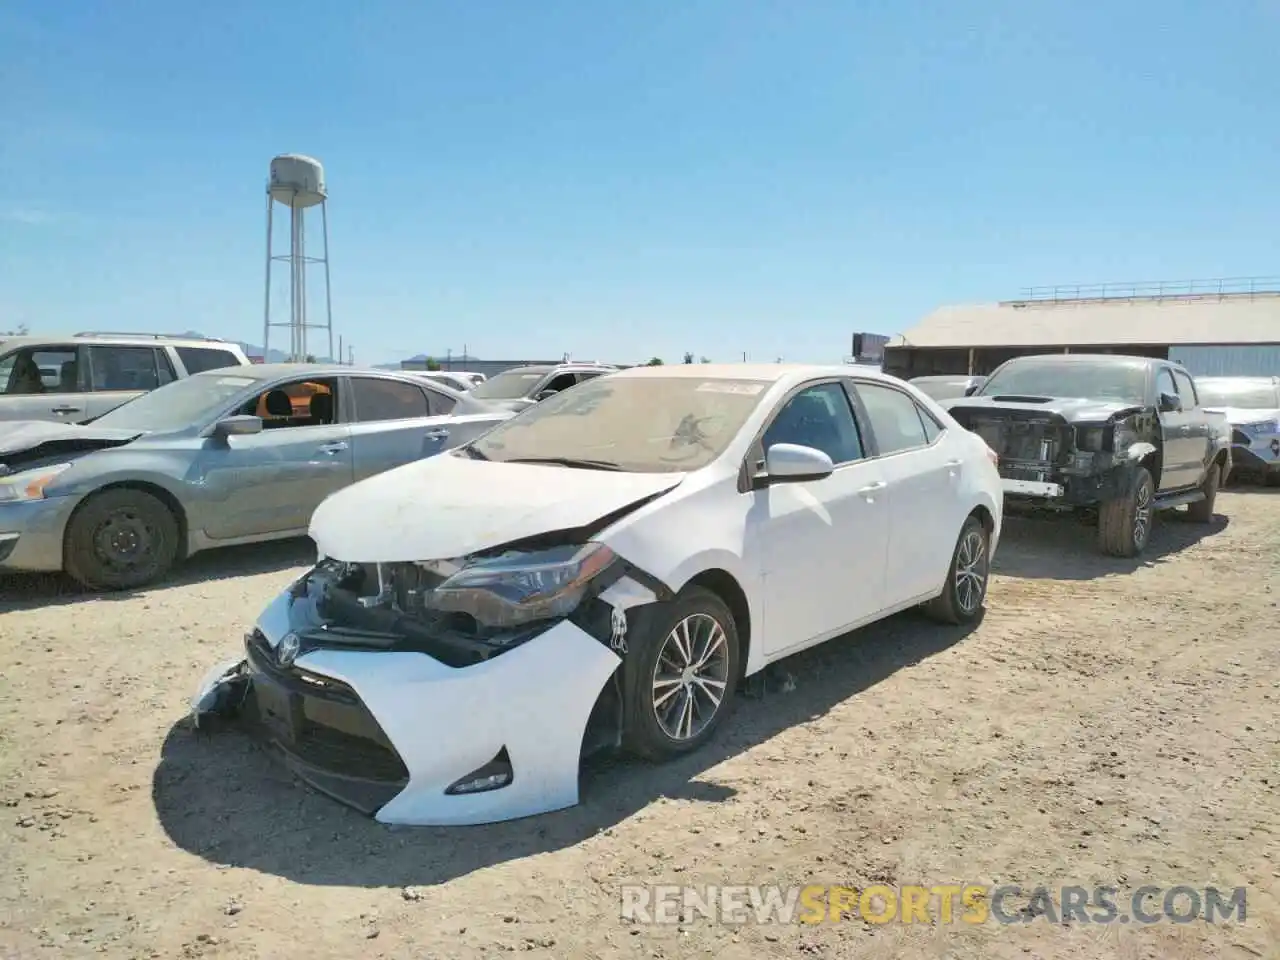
[(623, 179)]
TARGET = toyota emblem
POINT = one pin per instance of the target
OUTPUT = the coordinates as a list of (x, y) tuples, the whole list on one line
[(287, 652)]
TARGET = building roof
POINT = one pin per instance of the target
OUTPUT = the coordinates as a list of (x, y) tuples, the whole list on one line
[(1180, 320)]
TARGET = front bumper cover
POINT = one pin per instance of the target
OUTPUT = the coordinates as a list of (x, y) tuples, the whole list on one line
[(388, 732)]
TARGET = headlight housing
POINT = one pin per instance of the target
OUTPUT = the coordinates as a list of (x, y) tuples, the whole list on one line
[(1089, 437), (518, 588), (29, 484)]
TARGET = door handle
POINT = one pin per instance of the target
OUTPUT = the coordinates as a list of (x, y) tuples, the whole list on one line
[(436, 435), (335, 447), (955, 463), (66, 410), (871, 488)]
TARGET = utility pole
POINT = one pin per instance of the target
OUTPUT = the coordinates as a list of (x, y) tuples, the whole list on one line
[(341, 352)]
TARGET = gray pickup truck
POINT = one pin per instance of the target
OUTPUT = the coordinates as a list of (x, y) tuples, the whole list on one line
[(1122, 437), (79, 377)]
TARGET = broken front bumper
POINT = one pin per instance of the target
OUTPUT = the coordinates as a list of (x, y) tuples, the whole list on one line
[(396, 734)]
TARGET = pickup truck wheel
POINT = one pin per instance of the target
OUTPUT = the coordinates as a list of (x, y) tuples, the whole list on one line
[(120, 539), (1202, 510), (1124, 524), (966, 588)]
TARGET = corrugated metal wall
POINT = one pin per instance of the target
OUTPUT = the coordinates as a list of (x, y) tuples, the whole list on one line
[(1259, 361)]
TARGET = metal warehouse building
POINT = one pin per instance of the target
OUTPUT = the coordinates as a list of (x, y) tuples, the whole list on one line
[(1213, 327)]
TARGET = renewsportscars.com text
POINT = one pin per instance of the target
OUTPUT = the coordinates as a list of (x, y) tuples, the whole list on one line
[(938, 904)]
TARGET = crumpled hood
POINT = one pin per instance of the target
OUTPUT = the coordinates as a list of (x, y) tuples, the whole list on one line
[(24, 440), (447, 507), (1071, 409), (1240, 415)]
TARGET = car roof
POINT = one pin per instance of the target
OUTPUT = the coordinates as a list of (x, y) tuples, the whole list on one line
[(271, 371), (761, 372), (117, 339)]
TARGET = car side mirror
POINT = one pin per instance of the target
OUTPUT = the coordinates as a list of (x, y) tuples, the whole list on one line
[(1170, 403), (238, 426), (970, 390), (793, 463), (544, 394)]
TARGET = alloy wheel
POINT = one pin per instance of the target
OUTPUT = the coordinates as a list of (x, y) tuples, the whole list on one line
[(971, 571), (1142, 513), (690, 676)]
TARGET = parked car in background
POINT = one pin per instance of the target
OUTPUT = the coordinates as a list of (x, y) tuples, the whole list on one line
[(522, 387), (604, 568), (223, 457), (83, 376), (1252, 408), (455, 379), (945, 387), (1125, 436)]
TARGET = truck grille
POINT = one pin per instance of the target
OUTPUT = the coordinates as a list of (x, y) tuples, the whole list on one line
[(1023, 444)]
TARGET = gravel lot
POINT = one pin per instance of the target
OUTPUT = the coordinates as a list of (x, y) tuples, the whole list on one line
[(1109, 722)]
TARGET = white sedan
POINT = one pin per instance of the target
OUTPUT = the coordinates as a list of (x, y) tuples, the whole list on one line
[(601, 570)]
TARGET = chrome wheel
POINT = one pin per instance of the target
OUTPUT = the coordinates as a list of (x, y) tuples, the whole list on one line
[(971, 571), (690, 676), (1142, 513)]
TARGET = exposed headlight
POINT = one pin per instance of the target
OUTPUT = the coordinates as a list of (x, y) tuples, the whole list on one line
[(517, 588), (1261, 427), (1089, 438), (29, 484)]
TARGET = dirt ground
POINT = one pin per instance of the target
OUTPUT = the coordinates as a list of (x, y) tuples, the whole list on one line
[(1109, 722)]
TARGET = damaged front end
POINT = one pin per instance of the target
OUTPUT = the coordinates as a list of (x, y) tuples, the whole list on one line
[(1049, 460), (441, 692)]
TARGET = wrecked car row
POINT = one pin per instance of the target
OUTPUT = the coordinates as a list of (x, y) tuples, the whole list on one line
[(603, 571)]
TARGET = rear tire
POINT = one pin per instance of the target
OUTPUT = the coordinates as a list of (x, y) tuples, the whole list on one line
[(1202, 510), (683, 654), (120, 539), (965, 591), (1124, 524)]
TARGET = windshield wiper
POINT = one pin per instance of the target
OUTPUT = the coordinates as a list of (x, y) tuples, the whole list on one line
[(577, 462), (472, 452)]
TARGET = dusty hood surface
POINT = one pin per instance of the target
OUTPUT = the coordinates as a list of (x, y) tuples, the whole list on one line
[(446, 507), (29, 439)]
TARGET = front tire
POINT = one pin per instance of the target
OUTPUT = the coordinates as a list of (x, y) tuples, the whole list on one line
[(1124, 524), (682, 672), (1202, 510), (965, 591), (120, 539)]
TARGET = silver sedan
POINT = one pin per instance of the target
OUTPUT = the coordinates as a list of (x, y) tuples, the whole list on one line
[(229, 456)]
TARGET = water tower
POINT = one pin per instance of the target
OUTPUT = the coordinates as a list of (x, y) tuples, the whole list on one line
[(297, 182)]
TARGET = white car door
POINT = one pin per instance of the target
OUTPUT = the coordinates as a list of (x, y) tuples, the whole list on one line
[(820, 544), (923, 472)]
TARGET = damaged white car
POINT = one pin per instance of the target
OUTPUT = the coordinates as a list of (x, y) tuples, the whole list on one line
[(602, 571)]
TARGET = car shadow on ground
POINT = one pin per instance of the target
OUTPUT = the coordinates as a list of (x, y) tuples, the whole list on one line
[(25, 591), (223, 798), (1065, 548)]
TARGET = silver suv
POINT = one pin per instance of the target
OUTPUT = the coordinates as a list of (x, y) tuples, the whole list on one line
[(83, 376)]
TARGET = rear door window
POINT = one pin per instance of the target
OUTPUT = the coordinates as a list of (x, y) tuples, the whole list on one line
[(199, 359), (378, 399), (896, 420), (128, 368)]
